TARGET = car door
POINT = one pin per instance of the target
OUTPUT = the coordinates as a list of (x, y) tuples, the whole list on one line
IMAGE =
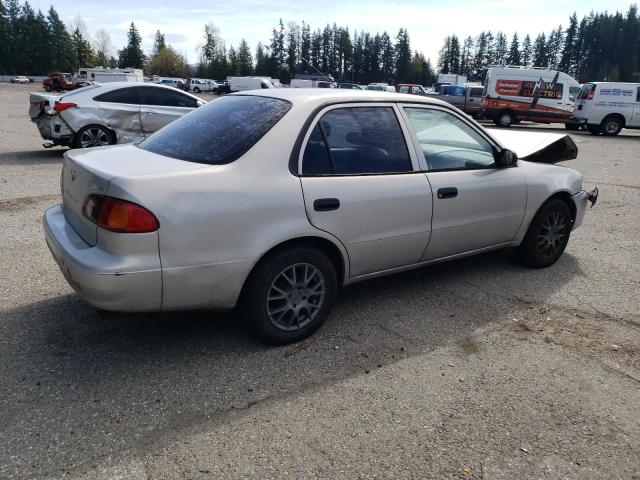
[(635, 120), (161, 106), (120, 110), (361, 183), (476, 205)]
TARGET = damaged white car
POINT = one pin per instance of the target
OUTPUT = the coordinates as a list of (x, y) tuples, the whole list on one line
[(273, 199), (99, 115)]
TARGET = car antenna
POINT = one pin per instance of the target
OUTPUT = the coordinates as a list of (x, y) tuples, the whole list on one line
[(314, 67)]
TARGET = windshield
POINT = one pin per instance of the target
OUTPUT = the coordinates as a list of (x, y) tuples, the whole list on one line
[(220, 132)]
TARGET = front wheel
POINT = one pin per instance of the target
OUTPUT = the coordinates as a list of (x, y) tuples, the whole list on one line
[(504, 119), (47, 88), (93, 136), (547, 236), (289, 295)]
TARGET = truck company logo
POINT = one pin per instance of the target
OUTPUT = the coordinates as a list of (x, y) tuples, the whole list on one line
[(616, 92), (526, 88)]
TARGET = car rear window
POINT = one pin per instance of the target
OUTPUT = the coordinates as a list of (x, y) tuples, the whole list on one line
[(219, 132)]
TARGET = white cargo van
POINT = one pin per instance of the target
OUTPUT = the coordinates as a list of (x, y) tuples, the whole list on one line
[(608, 107), (515, 93), (240, 84)]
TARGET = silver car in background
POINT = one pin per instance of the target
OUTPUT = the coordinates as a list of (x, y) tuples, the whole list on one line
[(110, 113), (271, 200)]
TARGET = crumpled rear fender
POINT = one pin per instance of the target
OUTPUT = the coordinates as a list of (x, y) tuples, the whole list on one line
[(125, 124)]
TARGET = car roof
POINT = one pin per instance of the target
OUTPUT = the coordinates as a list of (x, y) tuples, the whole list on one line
[(322, 96)]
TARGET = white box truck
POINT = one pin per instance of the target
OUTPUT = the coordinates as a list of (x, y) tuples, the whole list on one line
[(608, 107)]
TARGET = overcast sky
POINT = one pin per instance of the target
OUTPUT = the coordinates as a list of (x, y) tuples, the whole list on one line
[(428, 21)]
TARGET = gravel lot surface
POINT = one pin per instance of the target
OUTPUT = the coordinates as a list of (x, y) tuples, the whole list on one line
[(478, 368)]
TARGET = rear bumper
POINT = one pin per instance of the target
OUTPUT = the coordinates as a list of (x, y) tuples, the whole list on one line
[(52, 127), (96, 275), (580, 200)]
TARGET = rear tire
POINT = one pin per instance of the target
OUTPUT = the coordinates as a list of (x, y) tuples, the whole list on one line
[(611, 126), (504, 119), (47, 88), (93, 136), (289, 294), (547, 236), (196, 90)]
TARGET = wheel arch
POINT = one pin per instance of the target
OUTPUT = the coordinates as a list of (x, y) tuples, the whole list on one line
[(336, 254), (615, 115), (565, 196)]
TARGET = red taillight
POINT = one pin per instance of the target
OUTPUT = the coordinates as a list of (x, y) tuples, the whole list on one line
[(592, 92), (119, 215), (60, 106)]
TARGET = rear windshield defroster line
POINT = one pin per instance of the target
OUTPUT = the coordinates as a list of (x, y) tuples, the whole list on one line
[(219, 132)]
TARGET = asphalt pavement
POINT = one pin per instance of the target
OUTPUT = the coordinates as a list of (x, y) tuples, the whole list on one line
[(478, 368)]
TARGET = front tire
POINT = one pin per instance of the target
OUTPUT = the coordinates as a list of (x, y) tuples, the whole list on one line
[(504, 119), (289, 294), (93, 136), (547, 236)]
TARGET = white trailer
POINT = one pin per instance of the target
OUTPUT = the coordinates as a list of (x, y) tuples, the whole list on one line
[(105, 75)]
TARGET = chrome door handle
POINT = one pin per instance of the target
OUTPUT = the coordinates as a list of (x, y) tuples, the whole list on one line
[(149, 112)]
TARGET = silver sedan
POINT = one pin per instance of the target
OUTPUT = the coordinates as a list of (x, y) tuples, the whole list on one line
[(271, 201), (109, 113)]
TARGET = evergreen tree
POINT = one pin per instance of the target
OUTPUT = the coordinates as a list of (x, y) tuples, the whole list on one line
[(82, 49), (540, 56), (277, 51), (501, 49), (527, 51), (262, 60), (513, 57), (245, 61), (4, 39), (568, 57), (466, 58), (62, 55), (403, 55), (159, 43), (132, 56)]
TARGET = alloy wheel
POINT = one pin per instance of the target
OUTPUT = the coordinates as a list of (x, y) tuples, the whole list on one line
[(551, 235), (295, 296), (94, 137)]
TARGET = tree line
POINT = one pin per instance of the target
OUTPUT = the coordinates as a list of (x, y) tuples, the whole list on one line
[(601, 46), (360, 57)]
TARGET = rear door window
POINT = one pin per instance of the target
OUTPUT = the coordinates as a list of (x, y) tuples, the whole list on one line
[(357, 140), (219, 132), (165, 98), (127, 95)]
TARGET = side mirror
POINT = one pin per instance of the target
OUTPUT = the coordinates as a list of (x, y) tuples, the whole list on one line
[(506, 158)]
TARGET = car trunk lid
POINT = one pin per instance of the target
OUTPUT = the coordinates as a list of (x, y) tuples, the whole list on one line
[(41, 103), (89, 171)]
